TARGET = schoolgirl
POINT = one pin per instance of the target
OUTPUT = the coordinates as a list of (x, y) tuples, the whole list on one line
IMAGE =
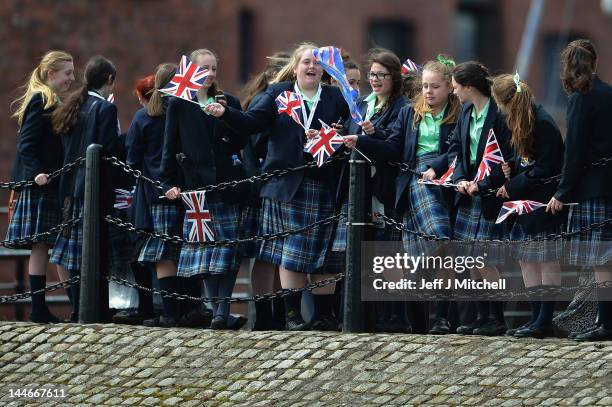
[(476, 215), (588, 116), (197, 152), (538, 149), (300, 198), (420, 138), (264, 275), (39, 152), (86, 118)]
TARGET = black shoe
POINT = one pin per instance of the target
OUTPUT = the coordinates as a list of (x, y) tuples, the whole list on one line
[(535, 331), (396, 325), (45, 318), (469, 328), (218, 322), (196, 318), (296, 323), (598, 334), (129, 317), (161, 321), (325, 323), (574, 334), (512, 331), (238, 323), (441, 326), (491, 328)]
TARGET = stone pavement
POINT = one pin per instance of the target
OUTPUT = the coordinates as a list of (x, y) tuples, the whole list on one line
[(127, 366)]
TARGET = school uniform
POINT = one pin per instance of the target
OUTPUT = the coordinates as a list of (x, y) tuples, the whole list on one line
[(144, 143), (587, 140), (527, 172), (97, 123), (197, 151), (39, 150), (300, 198)]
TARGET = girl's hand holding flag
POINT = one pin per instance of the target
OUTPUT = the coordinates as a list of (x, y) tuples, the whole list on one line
[(173, 193), (554, 205), (429, 175), (215, 109)]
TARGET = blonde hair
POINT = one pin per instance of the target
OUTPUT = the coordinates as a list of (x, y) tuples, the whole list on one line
[(421, 107), (37, 83), (286, 73), (517, 105)]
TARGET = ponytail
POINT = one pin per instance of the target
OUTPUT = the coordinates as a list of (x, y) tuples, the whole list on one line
[(163, 74), (578, 66)]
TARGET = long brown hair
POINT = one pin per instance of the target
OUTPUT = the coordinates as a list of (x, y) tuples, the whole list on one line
[(97, 73), (578, 62), (474, 74), (260, 82), (51, 61), (516, 100), (421, 107), (163, 74), (214, 87), (393, 64)]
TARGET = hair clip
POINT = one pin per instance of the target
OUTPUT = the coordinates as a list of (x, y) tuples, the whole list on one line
[(517, 82), (446, 61)]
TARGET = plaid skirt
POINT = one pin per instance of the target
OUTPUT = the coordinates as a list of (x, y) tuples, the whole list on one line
[(196, 259), (539, 251), (251, 226), (427, 213), (590, 248), (306, 252), (167, 218), (36, 211), (471, 224), (68, 248)]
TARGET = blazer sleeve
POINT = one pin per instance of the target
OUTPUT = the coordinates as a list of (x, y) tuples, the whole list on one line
[(260, 115), (135, 144), (169, 166), (389, 149), (238, 139), (455, 150), (575, 144), (30, 137), (108, 132), (549, 151)]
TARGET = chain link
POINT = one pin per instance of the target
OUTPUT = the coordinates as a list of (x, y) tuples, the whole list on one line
[(550, 237), (22, 184), (217, 300), (28, 294), (225, 242), (11, 244)]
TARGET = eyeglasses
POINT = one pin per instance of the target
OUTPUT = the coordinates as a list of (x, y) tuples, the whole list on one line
[(379, 75)]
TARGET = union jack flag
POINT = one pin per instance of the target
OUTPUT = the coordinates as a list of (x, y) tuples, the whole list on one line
[(518, 207), (187, 80), (111, 98), (409, 67), (290, 103), (444, 179), (324, 145), (198, 217), (123, 198), (331, 61), (492, 155)]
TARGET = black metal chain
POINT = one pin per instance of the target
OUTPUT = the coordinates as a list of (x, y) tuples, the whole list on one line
[(28, 294), (11, 244), (217, 300), (550, 237), (66, 168), (229, 184), (225, 242)]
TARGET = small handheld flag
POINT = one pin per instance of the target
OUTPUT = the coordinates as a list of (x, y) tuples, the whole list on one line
[(518, 207), (198, 217), (123, 198), (445, 179), (324, 145), (187, 80), (290, 103), (409, 67), (111, 98), (492, 155)]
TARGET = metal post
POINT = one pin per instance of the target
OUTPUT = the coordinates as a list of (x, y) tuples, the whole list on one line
[(353, 307), (90, 301)]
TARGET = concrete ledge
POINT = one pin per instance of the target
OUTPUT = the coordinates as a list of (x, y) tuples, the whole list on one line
[(122, 365)]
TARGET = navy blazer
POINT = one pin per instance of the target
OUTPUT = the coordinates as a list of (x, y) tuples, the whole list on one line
[(401, 145), (383, 182), (39, 150), (546, 162), (587, 140), (286, 138), (198, 149), (460, 148), (97, 123)]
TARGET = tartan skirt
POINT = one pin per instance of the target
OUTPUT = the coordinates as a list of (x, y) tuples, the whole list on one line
[(251, 226), (68, 248), (36, 211), (306, 252), (196, 259), (590, 248), (539, 251), (471, 224), (167, 218), (427, 212)]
